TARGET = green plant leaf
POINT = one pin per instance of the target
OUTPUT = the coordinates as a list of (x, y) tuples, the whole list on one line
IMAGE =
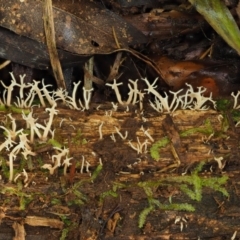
[(221, 20)]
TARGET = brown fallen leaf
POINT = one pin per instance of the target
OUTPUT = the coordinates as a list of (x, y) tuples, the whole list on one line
[(218, 78), (175, 72), (81, 27), (31, 53)]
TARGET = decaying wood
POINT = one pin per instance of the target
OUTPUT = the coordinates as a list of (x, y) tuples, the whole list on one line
[(216, 216)]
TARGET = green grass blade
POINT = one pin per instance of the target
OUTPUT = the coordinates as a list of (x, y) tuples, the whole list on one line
[(221, 20)]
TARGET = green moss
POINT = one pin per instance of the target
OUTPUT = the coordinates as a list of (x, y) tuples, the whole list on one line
[(55, 201), (79, 138), (178, 207), (3, 108), (68, 227), (23, 163), (5, 168), (18, 110), (96, 172), (223, 104), (112, 192), (24, 199), (54, 143), (39, 161), (143, 215), (235, 115), (192, 185), (64, 233), (79, 197), (154, 150), (206, 129), (109, 193), (13, 109)]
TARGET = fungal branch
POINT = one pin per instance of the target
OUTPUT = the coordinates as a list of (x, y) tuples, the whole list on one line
[(59, 159), (71, 101), (12, 133), (52, 111), (140, 147), (161, 103), (26, 150), (31, 123), (197, 99), (235, 97), (9, 90), (17, 141), (115, 88), (194, 100), (22, 86), (134, 95), (87, 93)]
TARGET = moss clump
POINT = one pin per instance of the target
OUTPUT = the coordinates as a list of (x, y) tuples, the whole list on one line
[(79, 139), (23, 198), (192, 185), (79, 197), (154, 150), (206, 129), (223, 104), (54, 143)]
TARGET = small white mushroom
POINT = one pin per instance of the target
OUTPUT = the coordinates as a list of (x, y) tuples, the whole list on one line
[(9, 90), (50, 168), (87, 93), (47, 94), (100, 131), (119, 133), (235, 97), (52, 111), (66, 164), (71, 101)]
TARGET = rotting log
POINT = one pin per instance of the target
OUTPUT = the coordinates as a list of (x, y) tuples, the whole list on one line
[(53, 198)]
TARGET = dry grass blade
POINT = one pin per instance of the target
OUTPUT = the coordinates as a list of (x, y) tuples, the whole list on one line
[(51, 43)]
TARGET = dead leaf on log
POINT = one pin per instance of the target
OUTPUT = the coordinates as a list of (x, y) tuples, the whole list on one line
[(19, 231), (42, 221), (89, 31), (2, 214)]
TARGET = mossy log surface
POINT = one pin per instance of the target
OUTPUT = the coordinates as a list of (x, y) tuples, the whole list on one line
[(108, 206)]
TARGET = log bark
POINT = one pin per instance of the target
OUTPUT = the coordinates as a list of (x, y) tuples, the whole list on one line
[(55, 199)]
